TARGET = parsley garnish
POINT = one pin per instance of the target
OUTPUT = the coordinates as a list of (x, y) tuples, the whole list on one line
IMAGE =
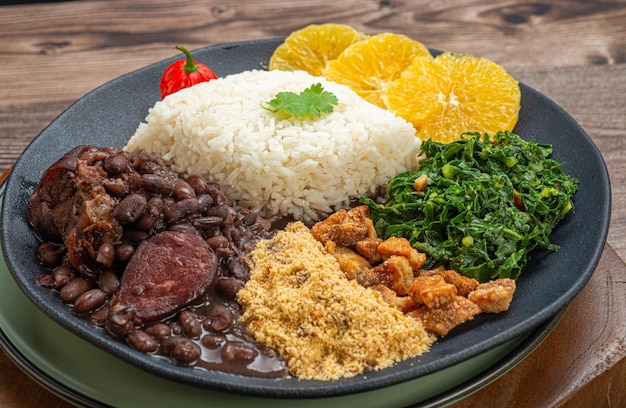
[(313, 101), (468, 216)]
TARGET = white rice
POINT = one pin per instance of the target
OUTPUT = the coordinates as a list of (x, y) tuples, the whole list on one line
[(285, 166)]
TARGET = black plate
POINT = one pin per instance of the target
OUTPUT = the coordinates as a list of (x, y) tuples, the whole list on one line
[(109, 115)]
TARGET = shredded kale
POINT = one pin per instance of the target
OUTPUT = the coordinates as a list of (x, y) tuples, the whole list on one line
[(488, 203)]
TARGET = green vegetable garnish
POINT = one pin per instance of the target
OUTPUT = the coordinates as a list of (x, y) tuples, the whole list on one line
[(313, 101), (487, 204)]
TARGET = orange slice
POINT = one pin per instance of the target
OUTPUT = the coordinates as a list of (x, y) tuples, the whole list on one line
[(312, 47), (451, 94), (368, 66)]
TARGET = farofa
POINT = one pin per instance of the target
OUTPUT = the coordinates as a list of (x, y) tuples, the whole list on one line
[(299, 303)]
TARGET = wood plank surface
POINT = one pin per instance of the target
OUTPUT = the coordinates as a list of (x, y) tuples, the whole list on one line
[(574, 52), (573, 380)]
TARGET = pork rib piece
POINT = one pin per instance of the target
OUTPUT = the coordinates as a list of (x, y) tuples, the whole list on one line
[(70, 206)]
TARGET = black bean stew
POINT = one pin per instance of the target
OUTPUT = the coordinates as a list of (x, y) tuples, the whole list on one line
[(150, 256)]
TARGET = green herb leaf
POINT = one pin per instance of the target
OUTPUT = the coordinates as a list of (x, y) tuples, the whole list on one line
[(313, 101), (468, 217)]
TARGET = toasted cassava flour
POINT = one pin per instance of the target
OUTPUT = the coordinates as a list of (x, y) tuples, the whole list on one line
[(299, 303)]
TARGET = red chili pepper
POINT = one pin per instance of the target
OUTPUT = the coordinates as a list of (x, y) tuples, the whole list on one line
[(517, 201), (183, 74)]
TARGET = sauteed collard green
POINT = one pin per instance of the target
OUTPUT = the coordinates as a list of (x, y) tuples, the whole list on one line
[(488, 203)]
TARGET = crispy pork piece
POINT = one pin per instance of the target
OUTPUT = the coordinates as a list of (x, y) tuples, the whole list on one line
[(353, 265), (442, 320), (368, 249), (403, 303), (396, 273), (463, 284), (432, 291), (494, 296), (401, 247), (345, 227)]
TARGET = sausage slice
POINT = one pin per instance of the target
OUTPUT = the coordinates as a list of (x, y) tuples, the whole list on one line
[(167, 272)]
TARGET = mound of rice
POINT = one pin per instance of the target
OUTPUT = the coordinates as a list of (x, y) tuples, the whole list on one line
[(284, 166)]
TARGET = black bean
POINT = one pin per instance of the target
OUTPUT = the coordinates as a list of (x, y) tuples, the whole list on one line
[(224, 252), (105, 254), (168, 343), (44, 280), (157, 184), (219, 318), (151, 214), (175, 328), (211, 232), (50, 254), (130, 208), (144, 157), (99, 317), (238, 352), (183, 190), (159, 331), (186, 352), (135, 182), (198, 183), (116, 187), (204, 203), (213, 341), (249, 218), (108, 282), (238, 268), (89, 301), (149, 167), (180, 209), (218, 195), (204, 223), (229, 286), (120, 322), (134, 235), (189, 324), (229, 219), (213, 189), (92, 156), (262, 225), (142, 341), (247, 240), (233, 234), (115, 164), (73, 289), (185, 228), (221, 211), (124, 251), (218, 241), (61, 275)]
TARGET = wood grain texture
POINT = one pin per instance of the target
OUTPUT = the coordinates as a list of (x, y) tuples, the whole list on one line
[(122, 36), (574, 52), (19, 391), (535, 383)]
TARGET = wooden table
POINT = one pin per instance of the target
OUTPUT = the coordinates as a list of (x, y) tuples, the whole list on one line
[(572, 51)]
